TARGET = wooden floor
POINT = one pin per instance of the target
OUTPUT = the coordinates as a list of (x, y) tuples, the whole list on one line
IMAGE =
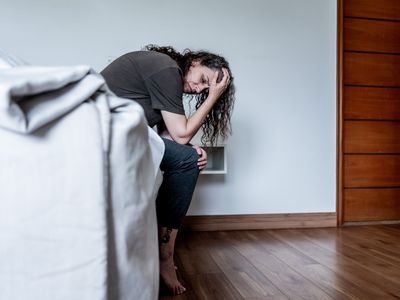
[(358, 262)]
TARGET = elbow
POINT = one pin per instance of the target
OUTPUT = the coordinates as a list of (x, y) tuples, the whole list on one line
[(182, 140), (181, 136)]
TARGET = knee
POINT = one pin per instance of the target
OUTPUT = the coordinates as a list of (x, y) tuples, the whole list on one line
[(190, 159)]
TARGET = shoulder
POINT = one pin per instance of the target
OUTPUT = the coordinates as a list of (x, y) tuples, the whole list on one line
[(146, 59), (149, 57)]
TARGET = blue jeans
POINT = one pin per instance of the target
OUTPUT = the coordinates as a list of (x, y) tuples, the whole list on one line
[(180, 173)]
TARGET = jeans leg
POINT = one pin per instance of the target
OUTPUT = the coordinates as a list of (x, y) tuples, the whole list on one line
[(179, 165)]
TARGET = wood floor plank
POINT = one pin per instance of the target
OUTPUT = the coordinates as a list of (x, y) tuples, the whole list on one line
[(229, 257), (393, 230), (289, 282), (382, 237), (360, 255), (197, 261), (329, 281), (213, 286), (189, 295), (251, 284), (340, 264), (337, 286), (195, 240), (248, 281), (368, 242), (245, 279)]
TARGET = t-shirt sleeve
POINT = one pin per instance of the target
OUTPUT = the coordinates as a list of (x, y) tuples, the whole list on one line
[(166, 90)]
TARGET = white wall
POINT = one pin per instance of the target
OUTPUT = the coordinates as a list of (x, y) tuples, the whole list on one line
[(283, 55)]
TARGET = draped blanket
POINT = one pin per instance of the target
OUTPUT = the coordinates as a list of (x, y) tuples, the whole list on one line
[(79, 172)]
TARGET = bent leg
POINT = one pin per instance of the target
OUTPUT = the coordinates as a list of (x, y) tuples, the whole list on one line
[(180, 169), (181, 172)]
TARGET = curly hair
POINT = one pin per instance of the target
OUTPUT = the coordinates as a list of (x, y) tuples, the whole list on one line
[(218, 121)]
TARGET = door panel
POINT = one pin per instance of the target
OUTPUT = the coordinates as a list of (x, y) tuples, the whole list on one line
[(369, 110)]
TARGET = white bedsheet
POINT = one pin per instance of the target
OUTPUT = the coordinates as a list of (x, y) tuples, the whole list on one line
[(79, 172)]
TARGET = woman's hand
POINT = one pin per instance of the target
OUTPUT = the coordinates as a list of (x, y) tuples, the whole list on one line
[(202, 162), (216, 89)]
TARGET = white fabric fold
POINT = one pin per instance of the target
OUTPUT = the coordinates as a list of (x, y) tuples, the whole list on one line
[(31, 96)]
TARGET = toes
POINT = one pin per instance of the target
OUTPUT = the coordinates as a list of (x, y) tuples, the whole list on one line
[(181, 289), (178, 289)]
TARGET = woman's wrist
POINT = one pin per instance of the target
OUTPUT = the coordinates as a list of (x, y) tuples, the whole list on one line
[(212, 98)]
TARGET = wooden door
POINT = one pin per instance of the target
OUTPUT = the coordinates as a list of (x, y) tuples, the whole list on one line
[(368, 110)]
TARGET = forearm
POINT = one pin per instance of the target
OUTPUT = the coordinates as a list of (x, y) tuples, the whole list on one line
[(183, 129)]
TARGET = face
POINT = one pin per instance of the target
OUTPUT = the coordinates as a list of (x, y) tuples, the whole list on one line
[(197, 79)]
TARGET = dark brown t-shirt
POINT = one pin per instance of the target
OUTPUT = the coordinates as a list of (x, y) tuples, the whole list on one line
[(152, 79)]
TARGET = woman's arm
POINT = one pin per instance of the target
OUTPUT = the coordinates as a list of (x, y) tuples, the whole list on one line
[(202, 161), (182, 129)]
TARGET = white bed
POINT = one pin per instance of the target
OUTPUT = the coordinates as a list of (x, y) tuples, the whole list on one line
[(79, 171)]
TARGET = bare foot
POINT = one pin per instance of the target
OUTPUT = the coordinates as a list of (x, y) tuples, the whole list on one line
[(168, 275), (167, 238)]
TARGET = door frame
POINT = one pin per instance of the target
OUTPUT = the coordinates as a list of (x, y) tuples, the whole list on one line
[(339, 115)]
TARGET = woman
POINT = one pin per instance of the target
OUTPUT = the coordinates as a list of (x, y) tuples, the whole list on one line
[(157, 78)]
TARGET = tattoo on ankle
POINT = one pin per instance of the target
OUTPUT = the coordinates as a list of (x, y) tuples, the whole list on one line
[(166, 236)]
